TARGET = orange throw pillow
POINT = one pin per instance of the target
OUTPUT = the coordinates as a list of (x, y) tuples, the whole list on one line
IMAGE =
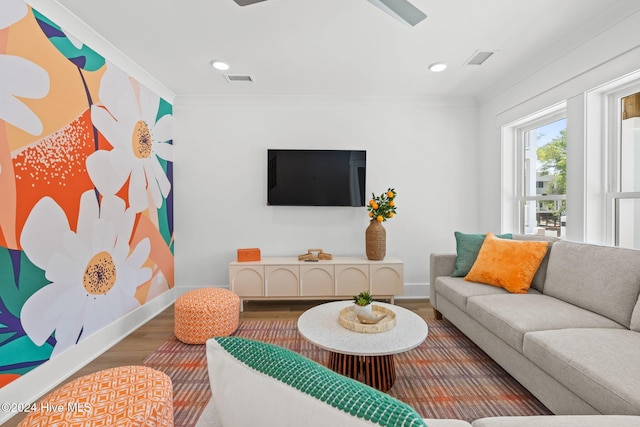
[(509, 264)]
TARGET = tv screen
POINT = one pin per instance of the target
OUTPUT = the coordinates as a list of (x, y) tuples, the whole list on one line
[(316, 177)]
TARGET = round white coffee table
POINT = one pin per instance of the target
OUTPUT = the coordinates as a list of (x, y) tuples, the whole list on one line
[(365, 357)]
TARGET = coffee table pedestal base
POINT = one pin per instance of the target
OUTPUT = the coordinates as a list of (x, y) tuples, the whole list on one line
[(376, 371)]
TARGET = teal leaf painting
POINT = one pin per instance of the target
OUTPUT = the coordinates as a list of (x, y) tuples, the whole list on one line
[(18, 354), (78, 53)]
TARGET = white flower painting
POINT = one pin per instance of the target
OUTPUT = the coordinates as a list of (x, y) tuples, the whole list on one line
[(19, 77), (93, 271), (127, 119)]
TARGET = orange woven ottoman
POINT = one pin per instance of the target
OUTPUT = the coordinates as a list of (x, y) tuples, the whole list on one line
[(123, 396), (204, 313)]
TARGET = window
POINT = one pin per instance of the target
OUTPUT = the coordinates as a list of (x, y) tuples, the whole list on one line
[(624, 196), (541, 175)]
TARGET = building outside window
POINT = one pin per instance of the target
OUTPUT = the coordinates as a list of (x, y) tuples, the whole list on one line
[(604, 177), (542, 175)]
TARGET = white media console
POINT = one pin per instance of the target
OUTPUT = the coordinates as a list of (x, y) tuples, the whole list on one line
[(339, 278)]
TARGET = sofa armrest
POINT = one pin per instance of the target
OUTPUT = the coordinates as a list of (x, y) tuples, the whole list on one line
[(440, 264)]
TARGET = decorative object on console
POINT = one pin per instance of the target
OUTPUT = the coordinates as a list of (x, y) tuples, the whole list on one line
[(380, 209), (248, 254), (315, 255), (376, 241)]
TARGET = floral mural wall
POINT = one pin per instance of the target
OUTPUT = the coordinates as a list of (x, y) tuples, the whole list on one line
[(86, 204)]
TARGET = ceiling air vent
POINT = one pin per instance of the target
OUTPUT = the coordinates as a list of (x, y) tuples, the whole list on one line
[(479, 56), (238, 78)]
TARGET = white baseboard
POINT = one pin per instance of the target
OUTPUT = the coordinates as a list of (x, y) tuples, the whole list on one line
[(34, 384), (415, 291), (411, 290), (179, 290)]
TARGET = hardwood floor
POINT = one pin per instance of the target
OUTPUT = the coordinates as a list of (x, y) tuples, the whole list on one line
[(134, 348)]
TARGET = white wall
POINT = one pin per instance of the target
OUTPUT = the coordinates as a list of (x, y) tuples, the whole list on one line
[(424, 148), (567, 73), (72, 25)]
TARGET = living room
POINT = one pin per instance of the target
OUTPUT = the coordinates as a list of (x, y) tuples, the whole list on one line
[(439, 146)]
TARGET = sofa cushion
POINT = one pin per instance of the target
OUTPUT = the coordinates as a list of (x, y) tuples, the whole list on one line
[(560, 421), (599, 365), (467, 248), (458, 291), (259, 384), (509, 264), (541, 275), (210, 418), (602, 279), (635, 317), (511, 316)]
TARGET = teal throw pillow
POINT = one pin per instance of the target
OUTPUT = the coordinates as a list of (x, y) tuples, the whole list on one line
[(467, 248), (253, 381)]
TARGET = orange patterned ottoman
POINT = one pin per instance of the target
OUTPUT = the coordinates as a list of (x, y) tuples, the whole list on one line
[(204, 313), (123, 396)]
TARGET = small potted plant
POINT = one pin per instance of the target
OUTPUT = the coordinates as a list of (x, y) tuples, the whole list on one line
[(362, 303)]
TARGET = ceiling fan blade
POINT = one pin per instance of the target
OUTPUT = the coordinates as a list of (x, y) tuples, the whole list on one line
[(402, 10), (247, 2)]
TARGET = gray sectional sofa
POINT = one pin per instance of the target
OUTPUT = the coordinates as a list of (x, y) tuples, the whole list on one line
[(573, 340), (254, 383)]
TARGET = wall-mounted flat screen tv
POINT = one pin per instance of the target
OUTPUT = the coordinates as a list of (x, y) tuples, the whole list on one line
[(316, 177)]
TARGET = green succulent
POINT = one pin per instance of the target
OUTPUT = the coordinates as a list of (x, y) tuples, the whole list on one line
[(363, 298)]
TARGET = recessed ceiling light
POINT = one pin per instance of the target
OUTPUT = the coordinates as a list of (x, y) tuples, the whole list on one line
[(220, 65), (437, 67)]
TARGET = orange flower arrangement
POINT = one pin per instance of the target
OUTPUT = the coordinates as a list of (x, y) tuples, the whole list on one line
[(382, 207)]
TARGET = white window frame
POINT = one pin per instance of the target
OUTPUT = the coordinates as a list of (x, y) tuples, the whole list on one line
[(614, 194), (513, 146)]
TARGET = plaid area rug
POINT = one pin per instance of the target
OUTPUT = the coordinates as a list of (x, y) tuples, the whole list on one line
[(447, 376)]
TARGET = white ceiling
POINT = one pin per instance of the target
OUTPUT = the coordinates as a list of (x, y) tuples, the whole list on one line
[(344, 47)]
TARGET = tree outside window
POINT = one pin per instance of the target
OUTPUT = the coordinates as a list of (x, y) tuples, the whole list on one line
[(544, 172), (553, 164)]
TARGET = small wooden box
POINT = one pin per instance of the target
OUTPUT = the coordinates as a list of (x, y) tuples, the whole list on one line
[(248, 254)]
